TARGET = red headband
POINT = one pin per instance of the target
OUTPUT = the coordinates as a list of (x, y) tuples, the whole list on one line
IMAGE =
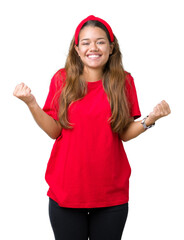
[(91, 17)]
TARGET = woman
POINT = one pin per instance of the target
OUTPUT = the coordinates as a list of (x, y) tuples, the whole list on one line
[(91, 107)]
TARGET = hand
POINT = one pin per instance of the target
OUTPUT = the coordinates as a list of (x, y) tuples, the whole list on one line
[(160, 110), (23, 92)]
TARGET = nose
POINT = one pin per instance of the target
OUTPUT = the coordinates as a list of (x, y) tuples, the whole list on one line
[(94, 47)]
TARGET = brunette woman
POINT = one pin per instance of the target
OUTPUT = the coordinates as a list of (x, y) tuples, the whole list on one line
[(91, 107)]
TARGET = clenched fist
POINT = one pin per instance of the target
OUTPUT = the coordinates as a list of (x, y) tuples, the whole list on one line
[(160, 110), (23, 92)]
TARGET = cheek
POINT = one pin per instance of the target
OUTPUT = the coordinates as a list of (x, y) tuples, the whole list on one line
[(83, 53), (82, 50), (105, 50)]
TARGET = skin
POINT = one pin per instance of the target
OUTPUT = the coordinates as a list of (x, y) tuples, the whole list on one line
[(44, 121), (92, 41)]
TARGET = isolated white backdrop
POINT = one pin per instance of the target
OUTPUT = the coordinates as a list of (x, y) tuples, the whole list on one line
[(35, 37)]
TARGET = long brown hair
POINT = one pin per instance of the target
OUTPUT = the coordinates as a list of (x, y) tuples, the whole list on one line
[(113, 83)]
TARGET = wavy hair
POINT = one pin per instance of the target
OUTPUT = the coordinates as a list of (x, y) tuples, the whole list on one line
[(113, 83)]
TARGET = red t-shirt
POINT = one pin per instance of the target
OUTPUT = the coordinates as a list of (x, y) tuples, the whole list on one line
[(88, 166)]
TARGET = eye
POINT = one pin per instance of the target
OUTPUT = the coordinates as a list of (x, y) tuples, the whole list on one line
[(85, 43), (101, 42)]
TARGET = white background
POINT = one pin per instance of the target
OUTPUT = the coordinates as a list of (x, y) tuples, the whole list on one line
[(35, 37)]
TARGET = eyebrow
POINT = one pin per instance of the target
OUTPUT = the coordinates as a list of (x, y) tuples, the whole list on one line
[(89, 39)]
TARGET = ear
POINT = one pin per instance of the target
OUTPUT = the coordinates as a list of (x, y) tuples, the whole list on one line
[(77, 49), (111, 47)]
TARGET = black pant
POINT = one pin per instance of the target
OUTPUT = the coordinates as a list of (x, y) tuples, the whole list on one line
[(105, 223)]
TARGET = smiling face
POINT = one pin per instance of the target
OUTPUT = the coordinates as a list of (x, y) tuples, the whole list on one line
[(94, 47)]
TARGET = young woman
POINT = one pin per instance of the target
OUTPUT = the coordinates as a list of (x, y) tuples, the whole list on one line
[(90, 108)]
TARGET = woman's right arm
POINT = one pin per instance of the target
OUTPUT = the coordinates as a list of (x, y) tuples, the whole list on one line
[(45, 122)]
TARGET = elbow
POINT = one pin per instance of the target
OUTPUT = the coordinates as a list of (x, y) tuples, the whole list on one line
[(56, 133), (124, 138), (54, 136)]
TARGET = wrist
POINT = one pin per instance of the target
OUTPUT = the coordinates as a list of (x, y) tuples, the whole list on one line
[(32, 104), (149, 121)]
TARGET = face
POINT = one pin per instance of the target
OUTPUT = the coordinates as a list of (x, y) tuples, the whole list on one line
[(94, 47)]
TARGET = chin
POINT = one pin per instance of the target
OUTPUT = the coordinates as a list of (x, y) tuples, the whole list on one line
[(95, 66)]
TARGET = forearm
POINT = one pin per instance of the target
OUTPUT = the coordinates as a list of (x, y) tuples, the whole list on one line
[(45, 122), (134, 129)]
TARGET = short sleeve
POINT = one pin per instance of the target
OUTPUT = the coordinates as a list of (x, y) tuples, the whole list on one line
[(51, 106), (132, 98)]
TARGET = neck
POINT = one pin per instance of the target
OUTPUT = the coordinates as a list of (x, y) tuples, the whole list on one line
[(92, 75)]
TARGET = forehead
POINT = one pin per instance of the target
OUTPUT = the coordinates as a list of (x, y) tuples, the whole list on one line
[(92, 32)]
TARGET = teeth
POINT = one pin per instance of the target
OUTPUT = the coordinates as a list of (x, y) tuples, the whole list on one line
[(93, 56)]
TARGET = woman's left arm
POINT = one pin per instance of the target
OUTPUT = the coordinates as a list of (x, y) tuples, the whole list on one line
[(135, 128)]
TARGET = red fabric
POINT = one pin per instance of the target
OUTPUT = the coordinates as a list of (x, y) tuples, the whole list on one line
[(88, 166), (91, 17)]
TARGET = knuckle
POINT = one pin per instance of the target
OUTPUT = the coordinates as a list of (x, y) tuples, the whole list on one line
[(157, 114)]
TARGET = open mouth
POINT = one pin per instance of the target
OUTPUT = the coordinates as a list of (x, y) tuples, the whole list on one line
[(94, 56)]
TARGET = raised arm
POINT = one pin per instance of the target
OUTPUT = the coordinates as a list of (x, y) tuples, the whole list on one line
[(135, 128), (45, 122)]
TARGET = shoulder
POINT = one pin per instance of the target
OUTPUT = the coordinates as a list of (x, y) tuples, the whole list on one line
[(60, 74), (128, 75), (58, 78), (128, 79)]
